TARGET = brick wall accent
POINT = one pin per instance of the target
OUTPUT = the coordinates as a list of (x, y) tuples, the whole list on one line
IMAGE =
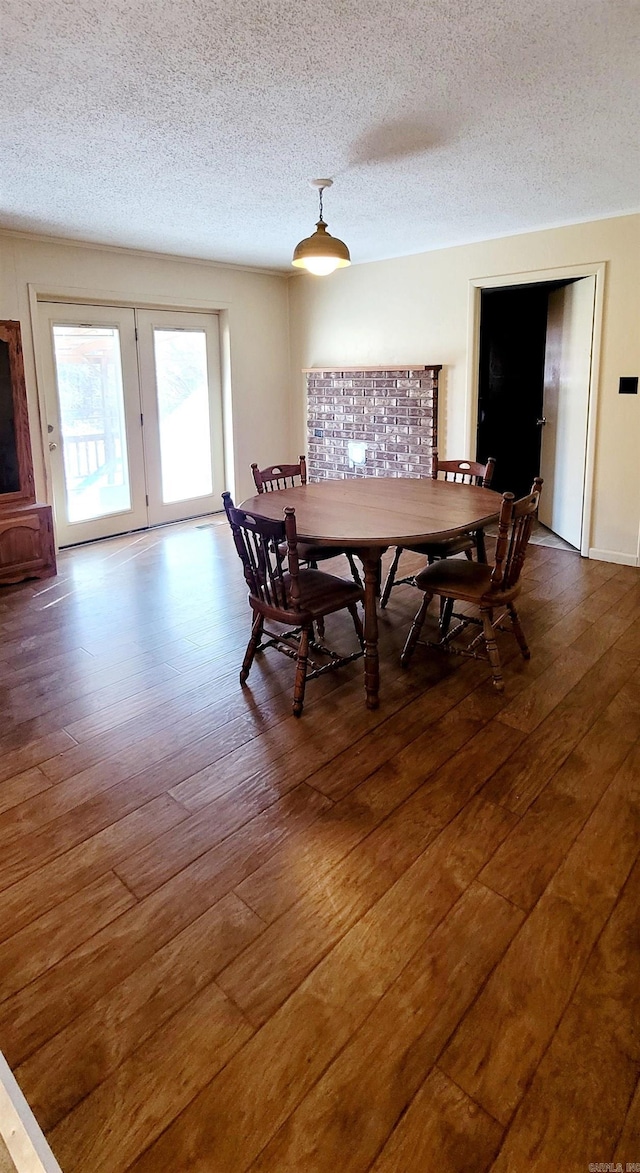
[(394, 411)]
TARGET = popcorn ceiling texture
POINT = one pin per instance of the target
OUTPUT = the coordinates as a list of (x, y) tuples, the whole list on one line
[(193, 127), (394, 411)]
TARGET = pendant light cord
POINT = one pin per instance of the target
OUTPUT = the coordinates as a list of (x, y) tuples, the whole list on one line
[(321, 216)]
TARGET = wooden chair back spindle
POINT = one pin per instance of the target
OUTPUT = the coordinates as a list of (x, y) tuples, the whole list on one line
[(280, 476), (293, 564)]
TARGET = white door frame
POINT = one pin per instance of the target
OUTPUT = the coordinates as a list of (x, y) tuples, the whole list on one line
[(161, 513), (82, 296), (596, 269)]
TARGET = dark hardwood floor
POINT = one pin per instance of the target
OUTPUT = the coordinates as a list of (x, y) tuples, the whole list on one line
[(404, 940)]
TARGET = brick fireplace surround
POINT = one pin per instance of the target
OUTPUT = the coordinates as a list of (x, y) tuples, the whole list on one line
[(392, 411)]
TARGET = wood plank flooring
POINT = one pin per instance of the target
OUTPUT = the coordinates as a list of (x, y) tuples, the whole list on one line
[(230, 940)]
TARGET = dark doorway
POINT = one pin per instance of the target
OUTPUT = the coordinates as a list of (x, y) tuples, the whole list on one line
[(513, 332)]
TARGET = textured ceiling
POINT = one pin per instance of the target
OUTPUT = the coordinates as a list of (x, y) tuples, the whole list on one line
[(192, 126)]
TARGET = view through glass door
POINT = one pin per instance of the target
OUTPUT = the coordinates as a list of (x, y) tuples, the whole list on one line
[(181, 404), (134, 417)]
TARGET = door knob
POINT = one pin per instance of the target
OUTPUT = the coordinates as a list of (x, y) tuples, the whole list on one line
[(541, 422), (52, 447)]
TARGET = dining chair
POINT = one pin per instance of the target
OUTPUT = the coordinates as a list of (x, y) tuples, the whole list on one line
[(468, 472), (283, 593), (280, 476), (286, 476), (485, 587)]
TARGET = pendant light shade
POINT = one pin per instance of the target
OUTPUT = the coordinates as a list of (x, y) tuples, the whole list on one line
[(321, 253)]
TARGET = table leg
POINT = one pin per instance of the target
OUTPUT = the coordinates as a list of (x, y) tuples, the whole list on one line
[(371, 560)]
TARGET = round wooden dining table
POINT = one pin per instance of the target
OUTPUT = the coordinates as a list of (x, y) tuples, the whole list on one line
[(369, 514)]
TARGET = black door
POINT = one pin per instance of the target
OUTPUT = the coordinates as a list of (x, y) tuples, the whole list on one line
[(513, 329)]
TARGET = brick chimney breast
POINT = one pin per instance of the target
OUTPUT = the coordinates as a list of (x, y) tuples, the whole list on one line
[(391, 412)]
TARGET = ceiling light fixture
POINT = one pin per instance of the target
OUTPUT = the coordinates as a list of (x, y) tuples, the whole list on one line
[(321, 253)]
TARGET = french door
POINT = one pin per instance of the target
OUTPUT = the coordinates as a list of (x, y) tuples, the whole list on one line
[(133, 416)]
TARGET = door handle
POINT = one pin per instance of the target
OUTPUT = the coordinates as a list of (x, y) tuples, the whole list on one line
[(541, 422)]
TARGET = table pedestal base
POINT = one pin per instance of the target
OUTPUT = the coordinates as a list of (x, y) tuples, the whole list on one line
[(372, 562)]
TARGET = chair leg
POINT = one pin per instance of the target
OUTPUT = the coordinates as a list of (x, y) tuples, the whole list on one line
[(469, 554), (492, 649), (320, 621), (357, 623), (390, 579), (414, 634), (431, 558), (252, 647), (518, 632), (301, 672), (445, 616), (355, 574)]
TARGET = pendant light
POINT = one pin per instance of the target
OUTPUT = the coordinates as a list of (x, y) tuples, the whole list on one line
[(321, 253)]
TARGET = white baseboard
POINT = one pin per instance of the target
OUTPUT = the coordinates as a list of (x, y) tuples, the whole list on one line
[(613, 556), (19, 1128)]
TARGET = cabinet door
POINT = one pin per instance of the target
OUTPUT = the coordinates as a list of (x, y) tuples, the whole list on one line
[(26, 543)]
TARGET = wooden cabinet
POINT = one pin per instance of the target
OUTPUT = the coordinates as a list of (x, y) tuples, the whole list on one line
[(27, 548)]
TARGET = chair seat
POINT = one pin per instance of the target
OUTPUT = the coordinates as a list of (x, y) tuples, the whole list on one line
[(309, 553), (468, 581), (314, 554), (446, 548), (320, 594)]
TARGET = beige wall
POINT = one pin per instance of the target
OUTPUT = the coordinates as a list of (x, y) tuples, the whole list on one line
[(413, 309), (256, 305), (416, 310)]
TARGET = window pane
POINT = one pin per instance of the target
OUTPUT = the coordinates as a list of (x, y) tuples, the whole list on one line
[(183, 414), (89, 371), (9, 468)]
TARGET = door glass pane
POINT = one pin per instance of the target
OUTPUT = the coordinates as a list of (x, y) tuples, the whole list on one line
[(92, 427), (9, 467), (183, 413)]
